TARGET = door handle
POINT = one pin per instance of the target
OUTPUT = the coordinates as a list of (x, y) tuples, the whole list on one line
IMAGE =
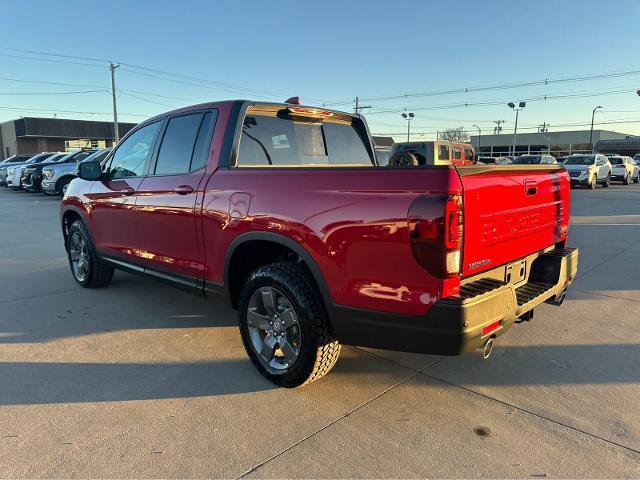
[(183, 190), (127, 191)]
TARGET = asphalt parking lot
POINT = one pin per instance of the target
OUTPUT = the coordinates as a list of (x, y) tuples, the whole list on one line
[(141, 380)]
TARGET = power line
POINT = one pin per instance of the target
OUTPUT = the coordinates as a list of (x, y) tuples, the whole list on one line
[(537, 98), (503, 86), (56, 110), (51, 93)]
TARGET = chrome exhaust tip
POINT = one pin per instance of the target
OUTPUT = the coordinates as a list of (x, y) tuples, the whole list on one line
[(487, 349)]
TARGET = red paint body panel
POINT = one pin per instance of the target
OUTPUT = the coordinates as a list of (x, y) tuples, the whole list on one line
[(353, 222), (509, 215)]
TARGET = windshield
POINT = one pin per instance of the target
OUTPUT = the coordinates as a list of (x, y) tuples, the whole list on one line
[(616, 161), (580, 160), (527, 160)]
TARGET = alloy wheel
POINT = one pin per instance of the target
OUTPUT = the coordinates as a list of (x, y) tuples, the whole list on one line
[(79, 254), (274, 329)]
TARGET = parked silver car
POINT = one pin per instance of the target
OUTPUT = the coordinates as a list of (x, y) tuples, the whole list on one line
[(56, 177), (624, 170), (588, 170)]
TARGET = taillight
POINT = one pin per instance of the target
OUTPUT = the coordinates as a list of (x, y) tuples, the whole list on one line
[(436, 232)]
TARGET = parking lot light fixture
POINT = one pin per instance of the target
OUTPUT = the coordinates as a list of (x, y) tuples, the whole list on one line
[(593, 114), (408, 117)]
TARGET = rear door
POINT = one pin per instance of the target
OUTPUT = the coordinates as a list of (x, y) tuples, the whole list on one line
[(166, 214), (511, 212)]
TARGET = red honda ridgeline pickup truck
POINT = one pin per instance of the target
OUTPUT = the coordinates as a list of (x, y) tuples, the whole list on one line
[(282, 211)]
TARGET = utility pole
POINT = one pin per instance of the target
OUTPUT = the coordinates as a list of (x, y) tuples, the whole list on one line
[(479, 137), (497, 129), (544, 128), (116, 133), (359, 107)]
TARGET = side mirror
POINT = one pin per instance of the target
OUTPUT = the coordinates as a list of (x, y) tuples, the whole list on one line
[(90, 171)]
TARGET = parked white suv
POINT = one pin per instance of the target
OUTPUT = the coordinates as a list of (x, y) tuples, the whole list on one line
[(624, 169), (588, 170)]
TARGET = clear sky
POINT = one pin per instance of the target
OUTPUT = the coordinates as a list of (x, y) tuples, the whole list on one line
[(328, 52)]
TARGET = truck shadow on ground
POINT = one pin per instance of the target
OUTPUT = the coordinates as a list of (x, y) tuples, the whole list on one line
[(25, 383)]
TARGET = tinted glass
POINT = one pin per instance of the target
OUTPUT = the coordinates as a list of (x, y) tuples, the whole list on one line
[(468, 154), (201, 151), (268, 140), (457, 153), (527, 160), (616, 161), (579, 160), (443, 152), (177, 145), (130, 157)]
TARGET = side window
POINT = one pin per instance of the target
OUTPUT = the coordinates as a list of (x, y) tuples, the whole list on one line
[(457, 153), (131, 155), (443, 152), (201, 150), (468, 154), (178, 142)]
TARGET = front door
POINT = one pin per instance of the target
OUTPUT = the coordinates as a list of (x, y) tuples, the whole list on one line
[(167, 213), (113, 198)]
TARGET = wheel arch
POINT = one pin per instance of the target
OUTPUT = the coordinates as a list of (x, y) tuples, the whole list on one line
[(280, 244), (68, 217)]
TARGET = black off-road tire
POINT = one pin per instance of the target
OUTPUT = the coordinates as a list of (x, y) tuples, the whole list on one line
[(319, 349), (100, 273)]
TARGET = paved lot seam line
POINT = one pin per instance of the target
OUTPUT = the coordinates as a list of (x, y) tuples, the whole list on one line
[(524, 410), (605, 295), (333, 422)]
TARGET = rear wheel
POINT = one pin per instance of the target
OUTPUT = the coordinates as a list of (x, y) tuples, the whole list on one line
[(285, 327), (637, 179), (88, 270)]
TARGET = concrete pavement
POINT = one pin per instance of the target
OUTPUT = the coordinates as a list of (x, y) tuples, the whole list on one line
[(141, 380)]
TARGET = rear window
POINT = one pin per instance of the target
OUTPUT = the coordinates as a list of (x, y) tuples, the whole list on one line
[(616, 161), (269, 140), (528, 160), (457, 153), (580, 160)]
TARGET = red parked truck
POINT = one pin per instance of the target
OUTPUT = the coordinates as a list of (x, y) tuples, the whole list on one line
[(282, 211)]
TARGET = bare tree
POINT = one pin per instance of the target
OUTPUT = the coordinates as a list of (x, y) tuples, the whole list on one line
[(454, 135)]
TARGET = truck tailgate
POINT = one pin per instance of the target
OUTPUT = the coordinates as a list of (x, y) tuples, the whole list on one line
[(510, 212)]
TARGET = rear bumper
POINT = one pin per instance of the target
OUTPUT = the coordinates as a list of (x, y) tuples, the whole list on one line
[(455, 325)]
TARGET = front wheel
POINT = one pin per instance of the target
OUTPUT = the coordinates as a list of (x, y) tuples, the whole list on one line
[(88, 270), (626, 180), (637, 179), (607, 181), (593, 182), (284, 325), (62, 186)]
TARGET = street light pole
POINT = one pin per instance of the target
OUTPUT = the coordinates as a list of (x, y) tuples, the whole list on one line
[(517, 109), (408, 117), (116, 133), (479, 137), (593, 114)]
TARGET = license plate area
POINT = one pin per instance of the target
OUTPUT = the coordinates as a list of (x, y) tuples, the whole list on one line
[(516, 272)]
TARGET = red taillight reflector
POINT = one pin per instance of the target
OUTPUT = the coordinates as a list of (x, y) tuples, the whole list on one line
[(491, 327), (453, 218)]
